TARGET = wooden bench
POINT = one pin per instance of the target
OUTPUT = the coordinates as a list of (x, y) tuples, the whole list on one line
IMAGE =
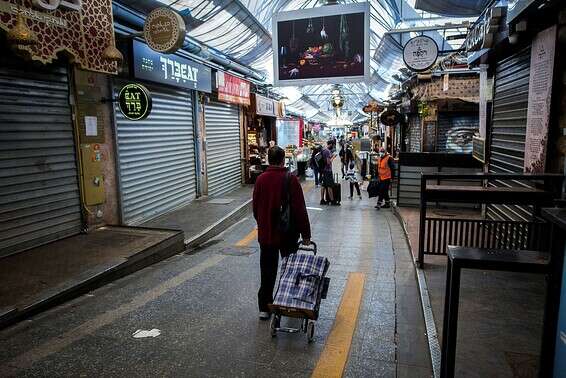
[(484, 259)]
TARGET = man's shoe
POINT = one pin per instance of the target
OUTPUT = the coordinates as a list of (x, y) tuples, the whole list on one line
[(334, 203), (323, 202), (386, 206), (263, 315), (350, 197), (378, 206), (360, 197)]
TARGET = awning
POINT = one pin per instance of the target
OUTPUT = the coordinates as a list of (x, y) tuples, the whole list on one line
[(461, 8)]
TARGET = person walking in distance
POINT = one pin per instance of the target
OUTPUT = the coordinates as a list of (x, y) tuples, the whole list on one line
[(315, 159), (351, 176), (385, 169), (326, 193), (272, 190)]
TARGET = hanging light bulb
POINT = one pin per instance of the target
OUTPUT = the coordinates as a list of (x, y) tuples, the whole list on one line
[(21, 35)]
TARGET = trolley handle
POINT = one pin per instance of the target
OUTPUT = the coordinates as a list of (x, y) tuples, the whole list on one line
[(308, 248)]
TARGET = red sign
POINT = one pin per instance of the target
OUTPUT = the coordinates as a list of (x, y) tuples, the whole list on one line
[(232, 89)]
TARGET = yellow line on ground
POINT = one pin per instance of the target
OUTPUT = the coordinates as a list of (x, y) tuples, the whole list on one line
[(332, 361), (248, 239), (308, 188)]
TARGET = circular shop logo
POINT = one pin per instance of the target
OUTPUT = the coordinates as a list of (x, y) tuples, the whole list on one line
[(164, 30), (135, 102), (420, 53)]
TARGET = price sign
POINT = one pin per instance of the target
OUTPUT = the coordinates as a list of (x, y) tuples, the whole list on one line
[(135, 102)]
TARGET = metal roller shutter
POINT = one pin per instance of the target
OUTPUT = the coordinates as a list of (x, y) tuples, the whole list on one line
[(509, 127), (223, 159), (157, 157), (39, 190), (455, 132)]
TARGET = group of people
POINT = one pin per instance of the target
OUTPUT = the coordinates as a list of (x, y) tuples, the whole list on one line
[(277, 193), (321, 163)]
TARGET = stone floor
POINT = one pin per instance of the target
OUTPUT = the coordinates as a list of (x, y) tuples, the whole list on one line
[(204, 306), (500, 315)]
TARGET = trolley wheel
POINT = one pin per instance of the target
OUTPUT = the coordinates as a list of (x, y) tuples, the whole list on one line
[(304, 325), (310, 331), (273, 325)]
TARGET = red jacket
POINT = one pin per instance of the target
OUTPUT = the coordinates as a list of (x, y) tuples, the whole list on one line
[(267, 202)]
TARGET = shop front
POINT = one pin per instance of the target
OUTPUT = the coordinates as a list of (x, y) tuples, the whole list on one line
[(157, 159), (42, 193), (517, 58), (223, 115), (261, 129)]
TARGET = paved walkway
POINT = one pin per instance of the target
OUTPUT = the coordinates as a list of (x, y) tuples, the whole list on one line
[(203, 306)]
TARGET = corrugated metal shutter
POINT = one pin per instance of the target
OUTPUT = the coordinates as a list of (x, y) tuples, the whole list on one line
[(39, 191), (157, 157), (509, 127), (455, 132), (414, 143), (223, 155)]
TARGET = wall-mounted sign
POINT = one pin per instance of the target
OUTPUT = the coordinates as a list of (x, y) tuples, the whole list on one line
[(135, 102), (164, 30), (232, 89), (483, 33), (420, 53), (265, 106), (51, 5), (540, 90), (390, 117), (478, 149), (170, 69), (81, 29)]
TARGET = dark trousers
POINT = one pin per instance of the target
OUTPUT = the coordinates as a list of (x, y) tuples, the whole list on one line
[(357, 186), (383, 191), (268, 263), (317, 178)]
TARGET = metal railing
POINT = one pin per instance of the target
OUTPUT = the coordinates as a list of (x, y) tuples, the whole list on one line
[(481, 233)]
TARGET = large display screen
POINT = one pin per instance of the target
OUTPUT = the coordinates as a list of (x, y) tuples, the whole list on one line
[(322, 45)]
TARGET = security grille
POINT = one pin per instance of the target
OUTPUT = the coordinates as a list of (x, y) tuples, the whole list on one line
[(509, 126), (39, 191), (157, 157), (455, 132), (223, 155)]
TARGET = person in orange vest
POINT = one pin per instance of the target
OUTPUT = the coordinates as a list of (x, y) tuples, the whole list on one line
[(385, 169)]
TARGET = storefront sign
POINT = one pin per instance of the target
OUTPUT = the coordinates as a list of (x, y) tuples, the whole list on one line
[(540, 91), (82, 29), (420, 53), (265, 106), (478, 149), (288, 132), (170, 69), (135, 102), (390, 117), (51, 5), (483, 33), (164, 30), (232, 89)]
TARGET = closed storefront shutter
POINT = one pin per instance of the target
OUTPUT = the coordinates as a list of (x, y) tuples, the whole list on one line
[(509, 127), (39, 190), (455, 132), (223, 155), (414, 134), (157, 157)]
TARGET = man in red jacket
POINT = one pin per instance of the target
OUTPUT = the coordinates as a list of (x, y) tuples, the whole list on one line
[(267, 201)]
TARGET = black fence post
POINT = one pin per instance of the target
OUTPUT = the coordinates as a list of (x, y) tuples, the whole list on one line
[(422, 221)]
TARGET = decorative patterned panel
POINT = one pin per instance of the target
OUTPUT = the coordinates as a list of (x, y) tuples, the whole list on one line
[(83, 34)]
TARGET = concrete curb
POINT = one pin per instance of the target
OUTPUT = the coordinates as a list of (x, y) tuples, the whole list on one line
[(221, 225), (431, 331), (161, 251)]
